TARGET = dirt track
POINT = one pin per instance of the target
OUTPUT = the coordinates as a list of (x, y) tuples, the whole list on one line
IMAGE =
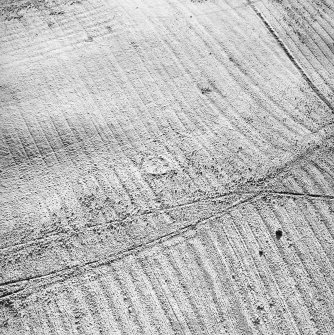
[(166, 167)]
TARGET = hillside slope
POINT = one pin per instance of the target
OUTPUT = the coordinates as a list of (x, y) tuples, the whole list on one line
[(166, 167)]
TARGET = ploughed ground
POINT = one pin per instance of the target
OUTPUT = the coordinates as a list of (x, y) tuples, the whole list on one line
[(166, 167)]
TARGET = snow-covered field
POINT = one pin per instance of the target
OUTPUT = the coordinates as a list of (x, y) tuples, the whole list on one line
[(166, 167)]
